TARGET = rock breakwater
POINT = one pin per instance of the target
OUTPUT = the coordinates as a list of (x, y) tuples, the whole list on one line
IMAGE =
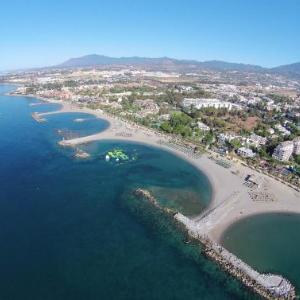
[(269, 286)]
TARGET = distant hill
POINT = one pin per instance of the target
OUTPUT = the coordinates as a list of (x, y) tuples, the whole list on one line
[(228, 66), (98, 60), (172, 64), (292, 69)]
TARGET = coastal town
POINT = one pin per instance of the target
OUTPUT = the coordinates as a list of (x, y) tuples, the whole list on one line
[(150, 150), (248, 117), (248, 150)]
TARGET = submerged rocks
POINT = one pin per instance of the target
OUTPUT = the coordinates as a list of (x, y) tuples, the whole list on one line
[(81, 154)]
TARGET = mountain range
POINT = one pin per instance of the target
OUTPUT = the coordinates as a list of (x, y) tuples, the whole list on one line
[(172, 64)]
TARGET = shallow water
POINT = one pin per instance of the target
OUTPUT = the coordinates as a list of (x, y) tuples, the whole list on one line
[(269, 242), (66, 125), (173, 181), (64, 231), (40, 106)]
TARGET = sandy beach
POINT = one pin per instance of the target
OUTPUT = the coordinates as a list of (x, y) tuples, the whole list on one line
[(232, 199)]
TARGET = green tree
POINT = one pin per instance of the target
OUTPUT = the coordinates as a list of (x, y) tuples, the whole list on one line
[(165, 126), (235, 143), (180, 118), (297, 159), (208, 138)]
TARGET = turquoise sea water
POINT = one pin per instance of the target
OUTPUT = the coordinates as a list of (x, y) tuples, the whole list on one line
[(64, 231), (269, 242)]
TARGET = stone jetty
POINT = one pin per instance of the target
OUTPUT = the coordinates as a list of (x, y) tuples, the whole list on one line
[(269, 286)]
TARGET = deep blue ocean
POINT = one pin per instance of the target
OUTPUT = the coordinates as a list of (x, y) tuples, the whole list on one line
[(64, 230)]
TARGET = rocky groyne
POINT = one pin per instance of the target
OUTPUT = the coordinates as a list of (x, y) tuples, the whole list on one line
[(81, 154), (37, 117), (269, 286)]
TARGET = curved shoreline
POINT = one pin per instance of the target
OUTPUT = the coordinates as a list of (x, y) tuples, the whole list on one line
[(231, 198), (250, 216), (275, 230), (253, 215)]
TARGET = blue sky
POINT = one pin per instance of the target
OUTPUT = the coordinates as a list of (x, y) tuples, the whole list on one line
[(39, 33)]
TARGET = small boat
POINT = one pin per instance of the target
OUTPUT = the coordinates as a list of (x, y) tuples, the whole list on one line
[(107, 158)]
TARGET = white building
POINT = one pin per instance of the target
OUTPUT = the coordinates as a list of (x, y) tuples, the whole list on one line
[(245, 152), (283, 151), (271, 130), (257, 140), (226, 137), (202, 126), (297, 145), (185, 88), (282, 130), (199, 103)]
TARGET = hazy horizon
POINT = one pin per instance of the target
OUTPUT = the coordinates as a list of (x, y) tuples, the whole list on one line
[(141, 56), (259, 33)]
